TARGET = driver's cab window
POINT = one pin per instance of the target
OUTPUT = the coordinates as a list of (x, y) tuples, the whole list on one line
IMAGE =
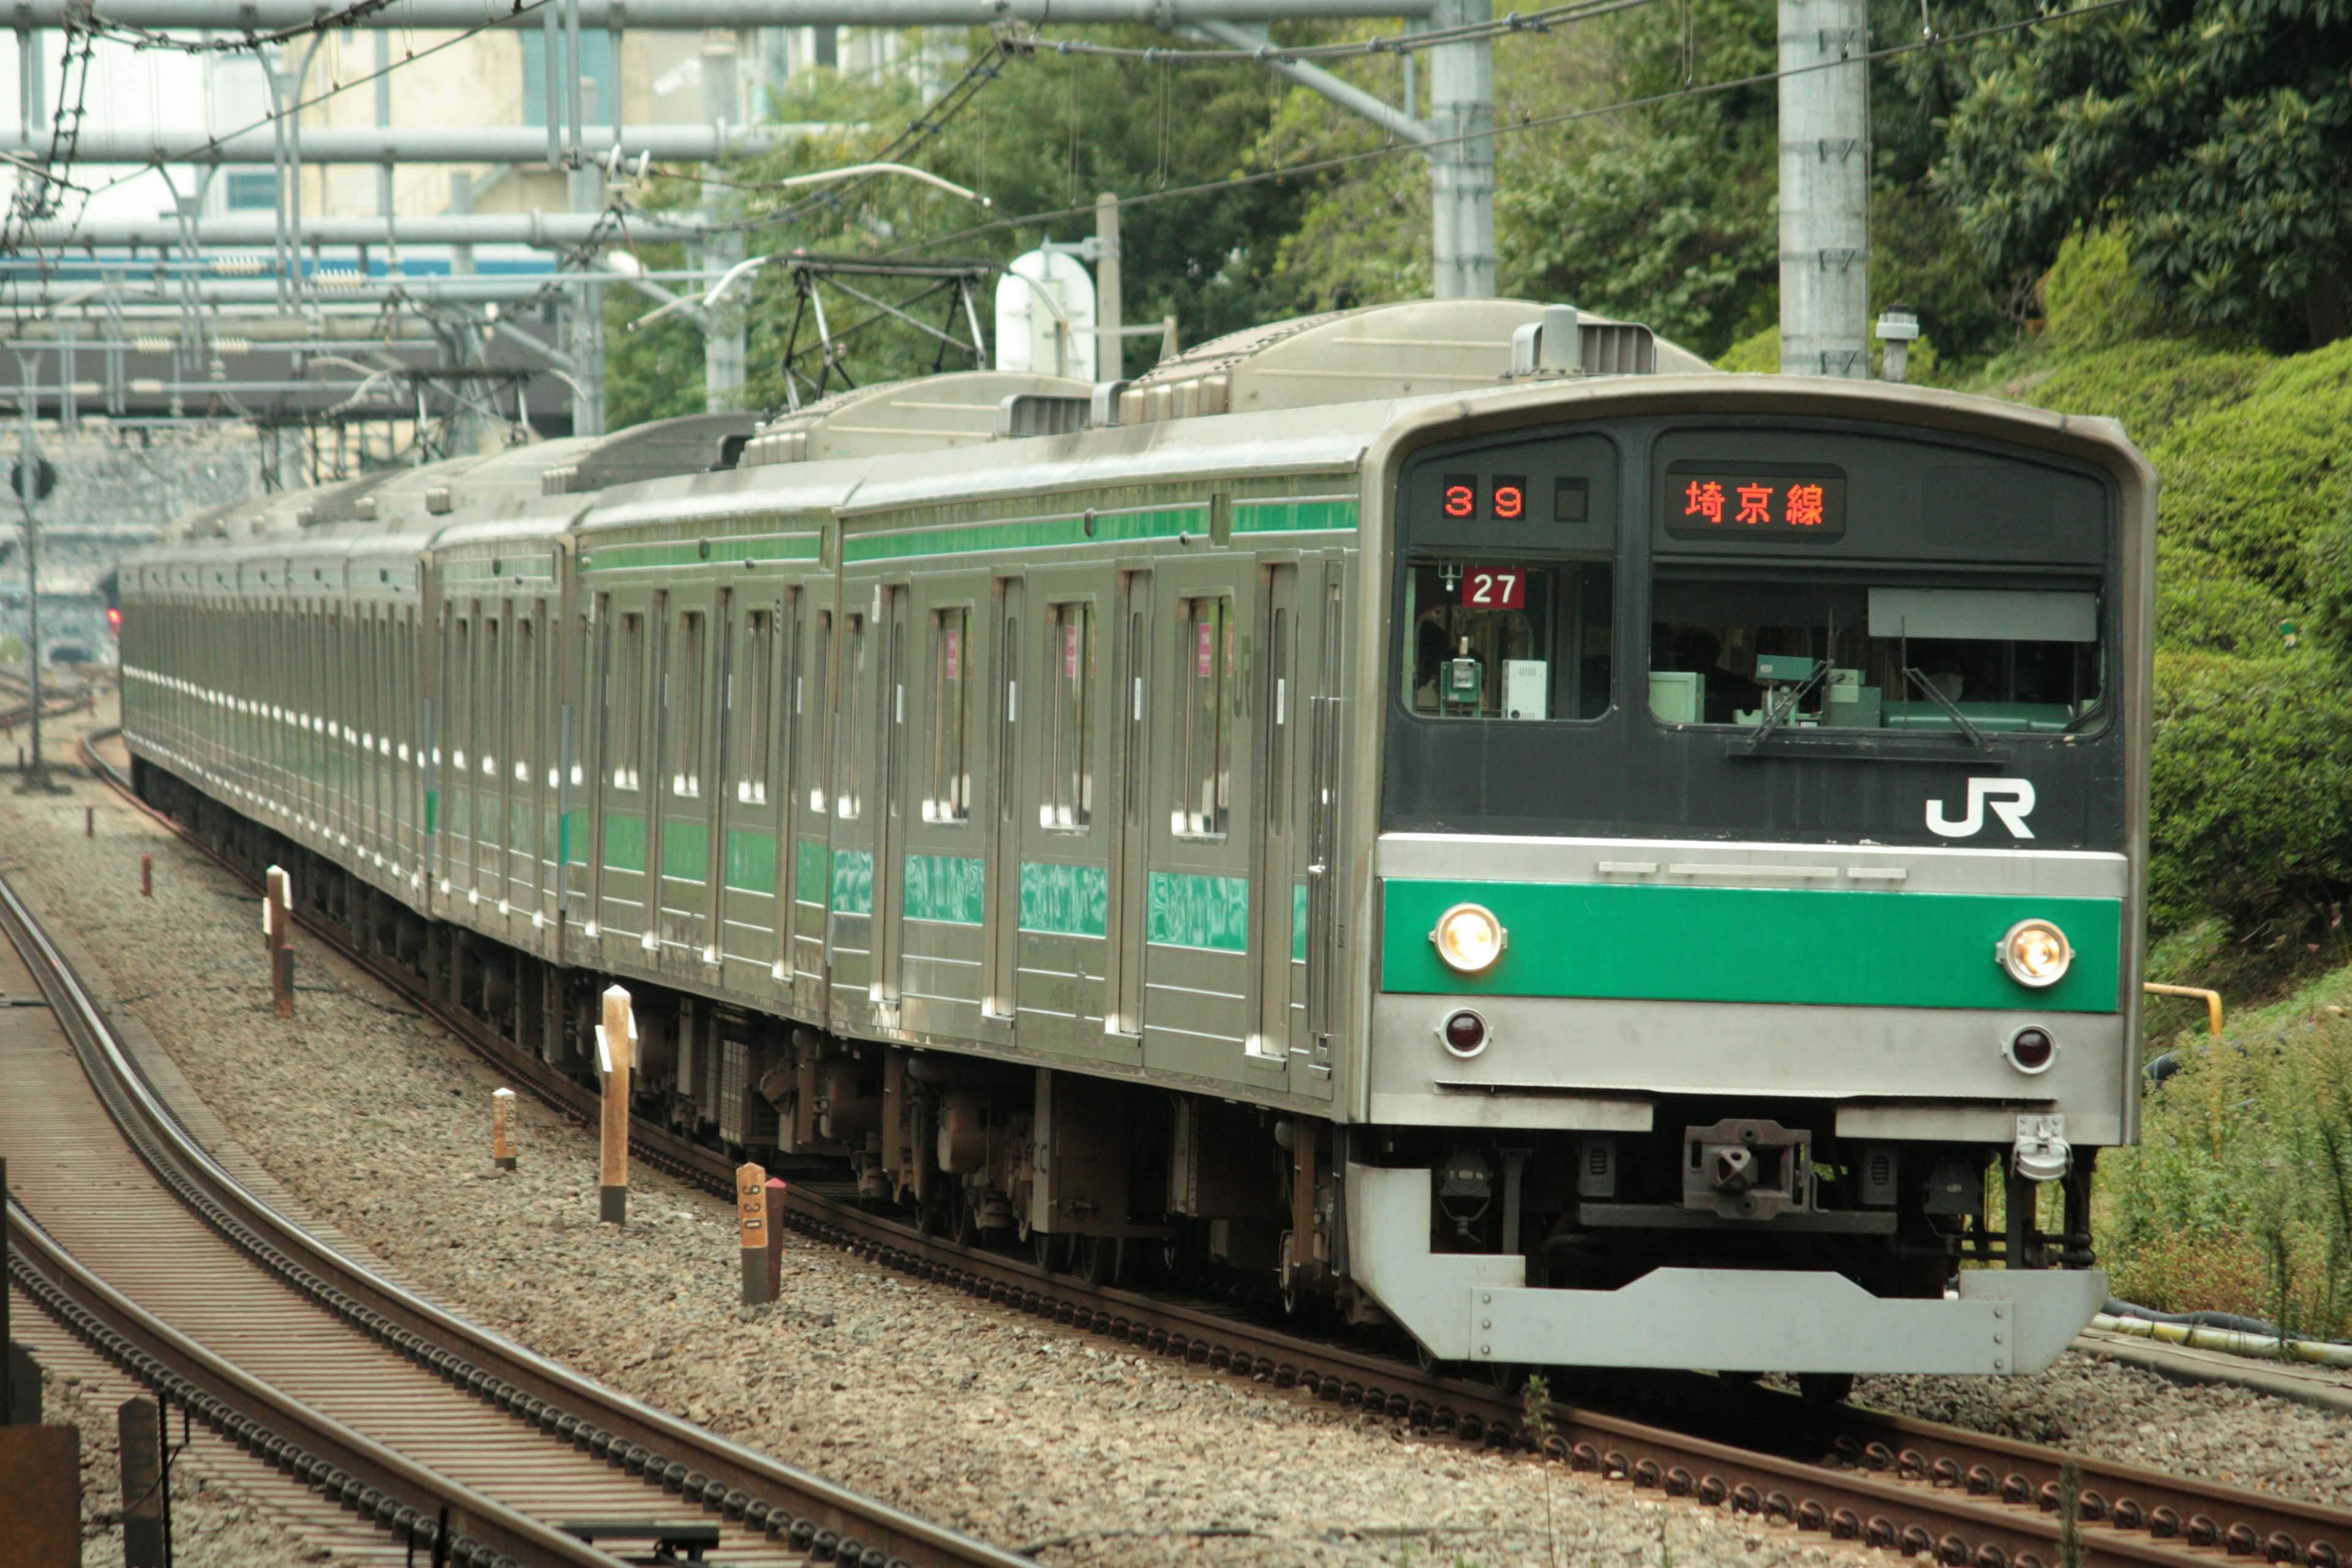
[(1507, 639)]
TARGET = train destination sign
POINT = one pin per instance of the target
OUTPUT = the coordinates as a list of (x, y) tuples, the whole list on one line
[(1710, 503)]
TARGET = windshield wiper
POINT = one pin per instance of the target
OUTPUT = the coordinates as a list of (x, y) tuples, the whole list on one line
[(1780, 714), (1952, 710)]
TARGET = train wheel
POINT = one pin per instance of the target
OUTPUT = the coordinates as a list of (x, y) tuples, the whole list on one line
[(1096, 1259), (1505, 1377), (967, 1220), (1052, 1250), (936, 1215)]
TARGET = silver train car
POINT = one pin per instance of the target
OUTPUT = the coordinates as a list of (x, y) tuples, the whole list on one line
[(1451, 813)]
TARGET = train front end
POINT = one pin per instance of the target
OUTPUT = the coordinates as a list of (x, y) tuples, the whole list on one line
[(1755, 877)]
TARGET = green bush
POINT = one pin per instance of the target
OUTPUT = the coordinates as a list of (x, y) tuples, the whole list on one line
[(2239, 1198), (2252, 786), (2249, 481), (2202, 606), (1758, 353), (2093, 298), (2152, 387)]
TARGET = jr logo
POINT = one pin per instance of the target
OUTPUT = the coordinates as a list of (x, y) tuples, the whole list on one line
[(2010, 800)]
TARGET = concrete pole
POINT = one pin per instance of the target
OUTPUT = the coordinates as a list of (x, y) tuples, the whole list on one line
[(28, 459), (583, 319), (724, 349), (1110, 309), (1462, 160), (1825, 189)]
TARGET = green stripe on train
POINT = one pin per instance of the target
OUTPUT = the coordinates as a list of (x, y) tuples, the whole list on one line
[(1065, 900), (1294, 516), (952, 888), (625, 841), (852, 882), (686, 851), (1027, 533), (752, 861), (1750, 944), (1210, 912)]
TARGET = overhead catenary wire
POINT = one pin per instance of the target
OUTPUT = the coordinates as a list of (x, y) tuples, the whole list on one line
[(1531, 123), (146, 38), (1518, 22)]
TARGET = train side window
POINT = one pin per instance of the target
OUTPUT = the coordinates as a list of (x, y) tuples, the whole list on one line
[(750, 709), (685, 706), (1204, 806), (1138, 660), (489, 693), (949, 797), (526, 744), (461, 692), (627, 716), (1070, 664), (1507, 639), (810, 697), (846, 801)]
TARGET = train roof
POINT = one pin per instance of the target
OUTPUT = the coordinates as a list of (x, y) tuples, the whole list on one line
[(929, 413), (1385, 352)]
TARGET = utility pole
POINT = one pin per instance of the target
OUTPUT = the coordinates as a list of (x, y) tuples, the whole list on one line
[(1111, 311), (724, 349), (1824, 188), (28, 486), (1462, 156)]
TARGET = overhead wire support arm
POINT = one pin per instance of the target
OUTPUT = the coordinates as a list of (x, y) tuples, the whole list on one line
[(1398, 122)]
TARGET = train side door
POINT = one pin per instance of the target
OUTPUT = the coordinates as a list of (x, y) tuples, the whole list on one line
[(891, 756), (1064, 823), (1197, 971), (808, 870), (1000, 1009), (1134, 667), (943, 838), (722, 799), (1319, 968), (1277, 926)]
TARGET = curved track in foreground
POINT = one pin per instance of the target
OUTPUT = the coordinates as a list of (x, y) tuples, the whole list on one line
[(138, 1243), (1889, 1482)]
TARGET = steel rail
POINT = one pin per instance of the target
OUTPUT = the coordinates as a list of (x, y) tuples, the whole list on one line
[(806, 1512), (1890, 1483), (314, 1448)]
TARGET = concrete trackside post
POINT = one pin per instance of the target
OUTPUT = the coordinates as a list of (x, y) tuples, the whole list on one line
[(752, 1222), (617, 1041), (502, 1103)]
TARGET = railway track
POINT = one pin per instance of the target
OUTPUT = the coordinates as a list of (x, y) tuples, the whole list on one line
[(1885, 1481), (449, 1437)]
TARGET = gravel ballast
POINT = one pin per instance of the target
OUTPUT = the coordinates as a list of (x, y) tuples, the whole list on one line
[(1029, 1437)]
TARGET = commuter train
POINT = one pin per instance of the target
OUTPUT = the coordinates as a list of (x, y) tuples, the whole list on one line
[(1453, 813)]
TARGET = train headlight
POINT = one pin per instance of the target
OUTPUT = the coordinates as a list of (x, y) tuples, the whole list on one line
[(1469, 938), (2035, 952)]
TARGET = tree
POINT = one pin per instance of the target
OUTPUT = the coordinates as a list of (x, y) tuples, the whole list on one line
[(2217, 132), (1043, 135)]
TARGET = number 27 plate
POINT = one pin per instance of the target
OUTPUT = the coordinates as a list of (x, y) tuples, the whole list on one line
[(1494, 587)]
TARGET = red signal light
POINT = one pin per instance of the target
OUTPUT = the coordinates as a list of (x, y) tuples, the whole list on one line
[(114, 620)]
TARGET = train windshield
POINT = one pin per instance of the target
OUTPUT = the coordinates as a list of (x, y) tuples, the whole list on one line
[(1507, 639), (1739, 644)]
